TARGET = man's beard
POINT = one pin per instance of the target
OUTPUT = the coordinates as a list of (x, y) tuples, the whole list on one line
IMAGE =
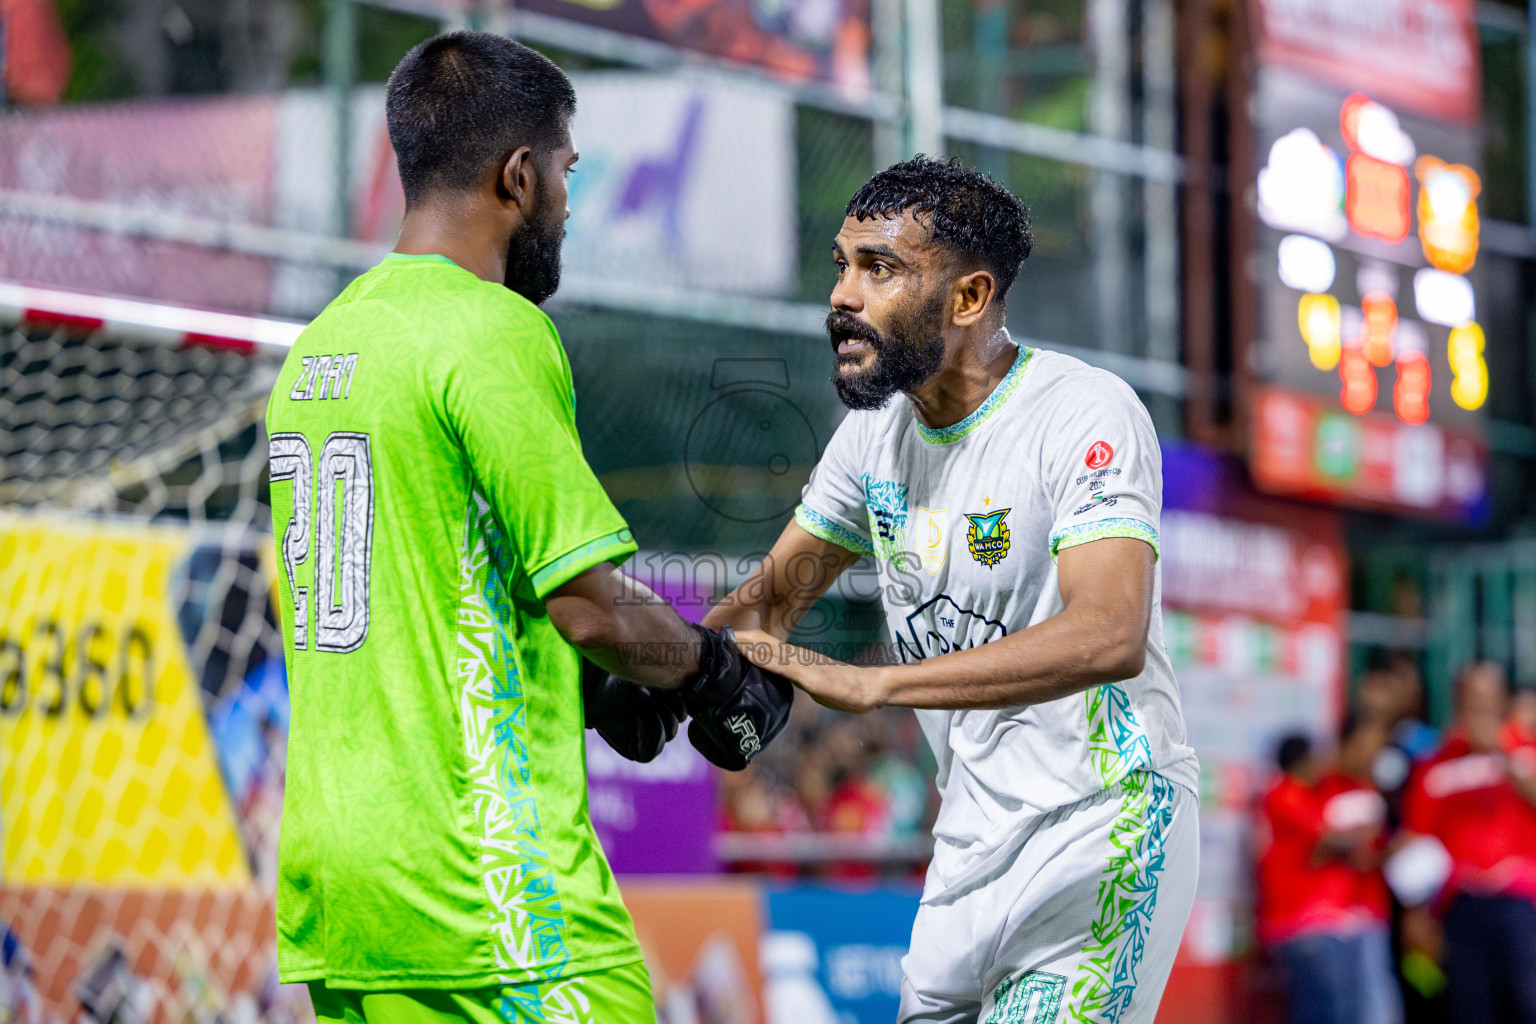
[(906, 356), (533, 253)]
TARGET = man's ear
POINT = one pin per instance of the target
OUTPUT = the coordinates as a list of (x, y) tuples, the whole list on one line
[(519, 181), (971, 296)]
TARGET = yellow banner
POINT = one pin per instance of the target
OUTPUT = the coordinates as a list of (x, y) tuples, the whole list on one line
[(109, 775)]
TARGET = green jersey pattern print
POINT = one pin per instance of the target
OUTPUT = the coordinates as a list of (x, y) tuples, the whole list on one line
[(526, 917), (1105, 981), (1117, 743)]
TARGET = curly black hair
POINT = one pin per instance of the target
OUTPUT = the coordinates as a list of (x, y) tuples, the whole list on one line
[(968, 213)]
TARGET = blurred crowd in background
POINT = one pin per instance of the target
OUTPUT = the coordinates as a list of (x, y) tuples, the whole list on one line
[(870, 776), (1397, 868)]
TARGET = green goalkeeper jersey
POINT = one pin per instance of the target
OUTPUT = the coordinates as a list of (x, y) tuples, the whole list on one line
[(428, 492)]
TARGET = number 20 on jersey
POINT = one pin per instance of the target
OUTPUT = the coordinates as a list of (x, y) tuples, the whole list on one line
[(332, 522)]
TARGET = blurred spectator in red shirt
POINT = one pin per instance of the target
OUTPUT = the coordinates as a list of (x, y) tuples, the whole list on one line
[(1310, 909), (1393, 692), (1479, 800), (1519, 729), (751, 802), (1353, 809), (34, 52), (856, 805)]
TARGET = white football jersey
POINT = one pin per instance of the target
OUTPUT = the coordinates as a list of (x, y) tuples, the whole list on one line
[(965, 523)]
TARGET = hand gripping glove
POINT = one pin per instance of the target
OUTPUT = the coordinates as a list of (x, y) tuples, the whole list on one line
[(737, 707), (634, 720)]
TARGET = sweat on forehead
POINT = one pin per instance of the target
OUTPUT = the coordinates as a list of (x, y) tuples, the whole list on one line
[(883, 234), (962, 210)]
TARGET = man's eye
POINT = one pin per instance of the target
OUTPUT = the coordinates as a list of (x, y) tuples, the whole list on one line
[(879, 270)]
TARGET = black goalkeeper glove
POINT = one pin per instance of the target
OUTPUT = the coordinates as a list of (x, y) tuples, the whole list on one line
[(737, 707), (634, 720)]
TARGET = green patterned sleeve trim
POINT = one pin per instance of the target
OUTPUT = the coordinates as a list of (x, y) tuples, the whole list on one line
[(1085, 533), (613, 547), (818, 525)]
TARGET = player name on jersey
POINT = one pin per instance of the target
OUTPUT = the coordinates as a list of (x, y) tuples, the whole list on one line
[(329, 373)]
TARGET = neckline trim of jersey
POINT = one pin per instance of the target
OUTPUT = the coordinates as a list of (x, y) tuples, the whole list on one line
[(431, 257), (1005, 387)]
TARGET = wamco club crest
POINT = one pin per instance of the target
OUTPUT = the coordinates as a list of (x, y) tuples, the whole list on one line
[(988, 536)]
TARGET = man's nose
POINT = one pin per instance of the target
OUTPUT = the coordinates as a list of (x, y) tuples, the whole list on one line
[(847, 298)]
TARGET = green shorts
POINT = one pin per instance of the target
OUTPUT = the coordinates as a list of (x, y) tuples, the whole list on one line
[(621, 995)]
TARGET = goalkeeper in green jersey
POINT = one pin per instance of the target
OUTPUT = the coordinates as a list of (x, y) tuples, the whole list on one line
[(447, 559)]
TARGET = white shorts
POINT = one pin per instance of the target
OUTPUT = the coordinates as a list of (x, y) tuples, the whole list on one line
[(1082, 924)]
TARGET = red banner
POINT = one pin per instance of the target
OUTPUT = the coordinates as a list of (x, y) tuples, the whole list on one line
[(1305, 446), (1418, 54)]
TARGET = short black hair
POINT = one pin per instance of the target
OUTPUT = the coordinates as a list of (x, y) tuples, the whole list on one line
[(1292, 750), (459, 104), (968, 213)]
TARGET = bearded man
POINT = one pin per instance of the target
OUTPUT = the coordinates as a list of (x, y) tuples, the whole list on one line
[(1010, 498)]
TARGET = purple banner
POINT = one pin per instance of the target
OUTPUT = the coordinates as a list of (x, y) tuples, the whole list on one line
[(657, 818)]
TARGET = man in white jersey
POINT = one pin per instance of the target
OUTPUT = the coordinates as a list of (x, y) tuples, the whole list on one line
[(1011, 501)]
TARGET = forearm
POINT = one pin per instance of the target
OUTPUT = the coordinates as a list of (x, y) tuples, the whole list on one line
[(626, 629), (740, 613), (751, 606), (1099, 636), (785, 585), (647, 647), (1064, 655)]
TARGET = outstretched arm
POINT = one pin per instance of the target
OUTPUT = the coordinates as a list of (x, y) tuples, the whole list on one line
[(1099, 636), (788, 582)]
